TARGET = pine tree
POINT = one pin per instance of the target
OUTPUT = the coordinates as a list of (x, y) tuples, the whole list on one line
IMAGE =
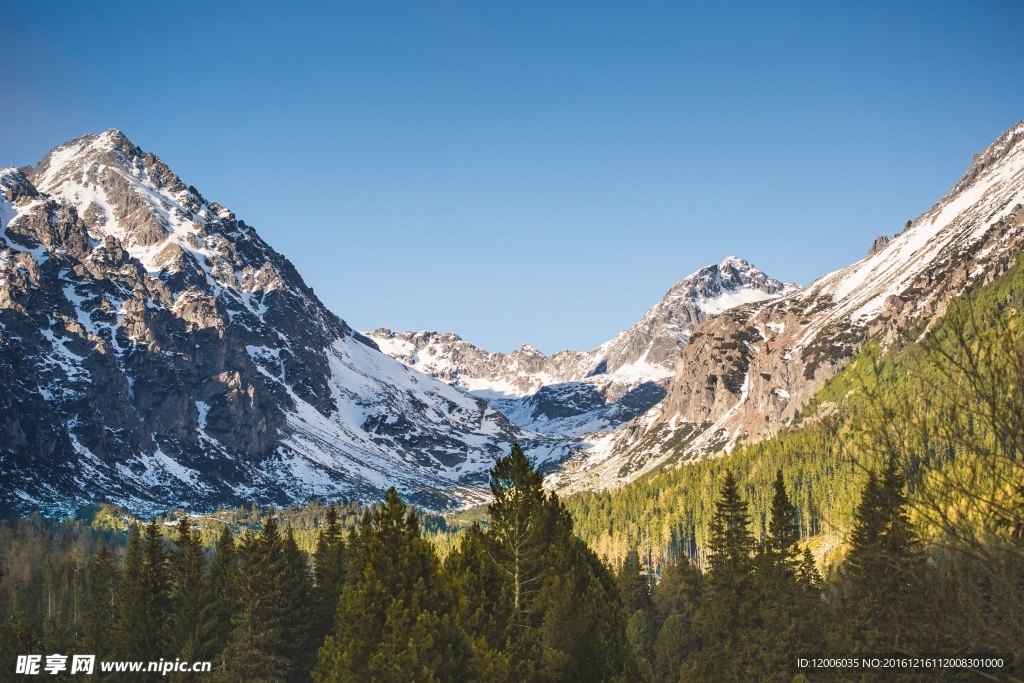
[(129, 635), (395, 619), (329, 566), (678, 590), (583, 620), (807, 573), (297, 617), (727, 615), (635, 590), (100, 613), (256, 640), (188, 573), (788, 611), (634, 585), (565, 616), (220, 600), (155, 586), (780, 548), (484, 604), (520, 531), (885, 573)]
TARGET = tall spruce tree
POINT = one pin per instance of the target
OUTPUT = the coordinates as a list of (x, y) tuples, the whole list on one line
[(141, 626), (484, 603), (635, 590), (220, 599), (329, 568), (789, 610), (884, 574), (254, 647), (396, 617), (520, 531), (188, 572), (297, 611), (727, 615), (131, 601), (156, 590), (100, 613), (676, 597), (557, 602)]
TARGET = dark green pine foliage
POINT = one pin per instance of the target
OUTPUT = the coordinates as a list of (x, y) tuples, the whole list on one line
[(884, 588), (557, 602), (143, 602), (583, 628), (396, 616), (156, 588), (675, 598), (483, 602), (520, 532), (188, 573), (727, 616), (131, 608), (329, 568), (807, 573), (635, 590), (634, 584), (297, 614), (254, 648), (100, 610), (220, 599), (788, 606)]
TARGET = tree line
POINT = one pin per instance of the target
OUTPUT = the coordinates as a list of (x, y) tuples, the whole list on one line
[(917, 471), (524, 599)]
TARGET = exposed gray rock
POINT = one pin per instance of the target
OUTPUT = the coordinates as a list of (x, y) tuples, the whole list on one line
[(531, 387), (748, 373), (156, 352), (880, 243)]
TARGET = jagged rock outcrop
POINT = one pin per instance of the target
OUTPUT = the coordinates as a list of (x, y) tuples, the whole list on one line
[(880, 243), (749, 371), (156, 352), (574, 393)]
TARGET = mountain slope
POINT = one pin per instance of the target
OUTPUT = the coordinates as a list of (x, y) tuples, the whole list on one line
[(158, 353), (574, 393), (747, 372)]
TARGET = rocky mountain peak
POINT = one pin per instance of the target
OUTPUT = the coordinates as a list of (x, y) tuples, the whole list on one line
[(155, 351), (656, 339), (750, 371), (730, 276)]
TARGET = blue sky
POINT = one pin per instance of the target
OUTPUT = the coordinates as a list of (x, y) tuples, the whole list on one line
[(530, 172)]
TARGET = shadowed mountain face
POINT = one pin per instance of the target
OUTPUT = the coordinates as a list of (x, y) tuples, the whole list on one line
[(749, 371), (157, 352), (584, 394)]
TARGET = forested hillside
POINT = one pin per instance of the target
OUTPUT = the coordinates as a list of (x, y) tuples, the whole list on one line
[(936, 402), (904, 476)]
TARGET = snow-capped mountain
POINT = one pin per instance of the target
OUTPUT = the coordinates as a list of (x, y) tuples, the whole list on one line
[(749, 371), (156, 352), (576, 393)]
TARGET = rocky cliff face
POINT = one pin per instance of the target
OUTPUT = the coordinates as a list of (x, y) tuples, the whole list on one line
[(747, 372), (155, 351), (574, 393)]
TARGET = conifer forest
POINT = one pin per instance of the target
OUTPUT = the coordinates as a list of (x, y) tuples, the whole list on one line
[(889, 522), (893, 525)]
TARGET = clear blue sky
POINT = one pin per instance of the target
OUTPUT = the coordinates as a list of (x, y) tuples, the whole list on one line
[(530, 172)]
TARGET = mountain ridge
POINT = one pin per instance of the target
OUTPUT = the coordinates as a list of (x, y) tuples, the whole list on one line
[(158, 353), (747, 373), (578, 394)]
